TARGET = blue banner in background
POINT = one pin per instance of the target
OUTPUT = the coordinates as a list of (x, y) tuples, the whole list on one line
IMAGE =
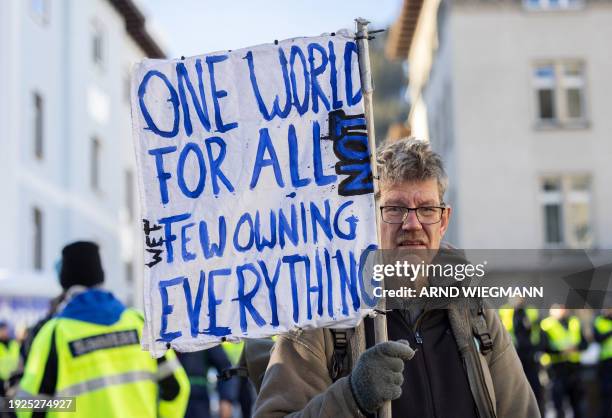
[(22, 311)]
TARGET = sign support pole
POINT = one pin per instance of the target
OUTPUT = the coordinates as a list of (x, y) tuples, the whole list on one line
[(380, 321)]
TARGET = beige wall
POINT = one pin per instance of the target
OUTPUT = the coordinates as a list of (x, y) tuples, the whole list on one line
[(499, 154)]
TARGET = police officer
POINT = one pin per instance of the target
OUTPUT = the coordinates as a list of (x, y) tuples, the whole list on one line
[(523, 324), (602, 331), (197, 365), (9, 355), (90, 350), (527, 332), (562, 339), (245, 391)]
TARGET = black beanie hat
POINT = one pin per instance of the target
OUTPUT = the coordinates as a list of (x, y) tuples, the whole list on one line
[(81, 265)]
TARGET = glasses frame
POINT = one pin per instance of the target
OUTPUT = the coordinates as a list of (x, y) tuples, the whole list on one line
[(408, 213)]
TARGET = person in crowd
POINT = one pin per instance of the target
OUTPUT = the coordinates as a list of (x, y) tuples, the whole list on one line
[(563, 340), (9, 355), (523, 324), (90, 351), (26, 342), (197, 365), (602, 332), (245, 392)]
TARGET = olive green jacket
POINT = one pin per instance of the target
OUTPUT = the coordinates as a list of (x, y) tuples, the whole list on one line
[(297, 380)]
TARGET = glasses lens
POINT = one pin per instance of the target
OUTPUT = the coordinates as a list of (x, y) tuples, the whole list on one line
[(393, 215), (428, 215)]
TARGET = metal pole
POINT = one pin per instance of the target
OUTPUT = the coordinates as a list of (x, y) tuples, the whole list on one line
[(380, 321)]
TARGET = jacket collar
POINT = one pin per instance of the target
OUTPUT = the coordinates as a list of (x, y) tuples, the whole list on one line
[(92, 305)]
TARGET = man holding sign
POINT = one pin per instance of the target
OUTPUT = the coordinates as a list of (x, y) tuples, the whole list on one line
[(257, 200), (445, 373)]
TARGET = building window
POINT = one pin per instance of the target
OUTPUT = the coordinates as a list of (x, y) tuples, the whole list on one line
[(129, 281), (127, 86), (560, 93), (40, 10), (37, 227), (94, 174), (97, 45), (566, 211), (129, 194), (129, 273), (38, 125), (553, 4)]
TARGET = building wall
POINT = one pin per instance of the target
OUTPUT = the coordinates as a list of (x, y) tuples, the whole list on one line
[(9, 76), (82, 100), (500, 153), (431, 93), (438, 97)]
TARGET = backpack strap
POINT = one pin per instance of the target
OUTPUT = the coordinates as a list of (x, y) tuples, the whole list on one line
[(339, 366), (481, 330)]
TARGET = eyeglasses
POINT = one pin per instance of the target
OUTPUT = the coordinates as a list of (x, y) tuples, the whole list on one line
[(426, 215)]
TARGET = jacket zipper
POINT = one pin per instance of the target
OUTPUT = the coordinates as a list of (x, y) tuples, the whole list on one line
[(419, 340)]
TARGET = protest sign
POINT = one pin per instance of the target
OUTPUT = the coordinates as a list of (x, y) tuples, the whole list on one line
[(255, 190)]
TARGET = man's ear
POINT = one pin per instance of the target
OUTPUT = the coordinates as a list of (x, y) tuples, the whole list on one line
[(446, 216)]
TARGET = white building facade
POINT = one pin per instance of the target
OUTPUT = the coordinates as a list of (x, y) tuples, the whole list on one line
[(67, 163), (514, 95)]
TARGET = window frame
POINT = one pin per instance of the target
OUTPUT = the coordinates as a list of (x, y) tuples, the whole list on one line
[(561, 84), (95, 164), (37, 238), (566, 196), (38, 125), (129, 192), (42, 17), (98, 44)]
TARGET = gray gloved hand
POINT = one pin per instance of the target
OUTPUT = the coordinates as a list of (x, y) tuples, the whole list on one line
[(377, 377)]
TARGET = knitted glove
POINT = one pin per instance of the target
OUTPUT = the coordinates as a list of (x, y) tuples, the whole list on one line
[(377, 377)]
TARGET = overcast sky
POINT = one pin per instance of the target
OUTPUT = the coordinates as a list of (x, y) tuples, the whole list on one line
[(193, 27)]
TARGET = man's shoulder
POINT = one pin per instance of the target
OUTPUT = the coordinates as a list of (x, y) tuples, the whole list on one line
[(313, 340)]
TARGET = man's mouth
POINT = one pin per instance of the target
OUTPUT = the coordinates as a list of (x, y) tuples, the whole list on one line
[(411, 244)]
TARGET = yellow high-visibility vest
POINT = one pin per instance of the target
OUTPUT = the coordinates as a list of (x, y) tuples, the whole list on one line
[(105, 369), (233, 351), (9, 358), (603, 325), (562, 338), (507, 317)]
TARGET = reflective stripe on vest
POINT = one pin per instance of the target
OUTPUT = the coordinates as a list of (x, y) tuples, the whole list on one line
[(104, 382), (562, 339), (603, 325)]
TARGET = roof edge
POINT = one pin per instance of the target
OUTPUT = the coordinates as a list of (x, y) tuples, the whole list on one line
[(136, 28), (402, 30)]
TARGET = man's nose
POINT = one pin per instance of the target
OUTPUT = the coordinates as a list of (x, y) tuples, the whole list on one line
[(411, 222)]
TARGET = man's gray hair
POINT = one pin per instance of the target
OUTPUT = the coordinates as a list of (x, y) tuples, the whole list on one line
[(409, 159)]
